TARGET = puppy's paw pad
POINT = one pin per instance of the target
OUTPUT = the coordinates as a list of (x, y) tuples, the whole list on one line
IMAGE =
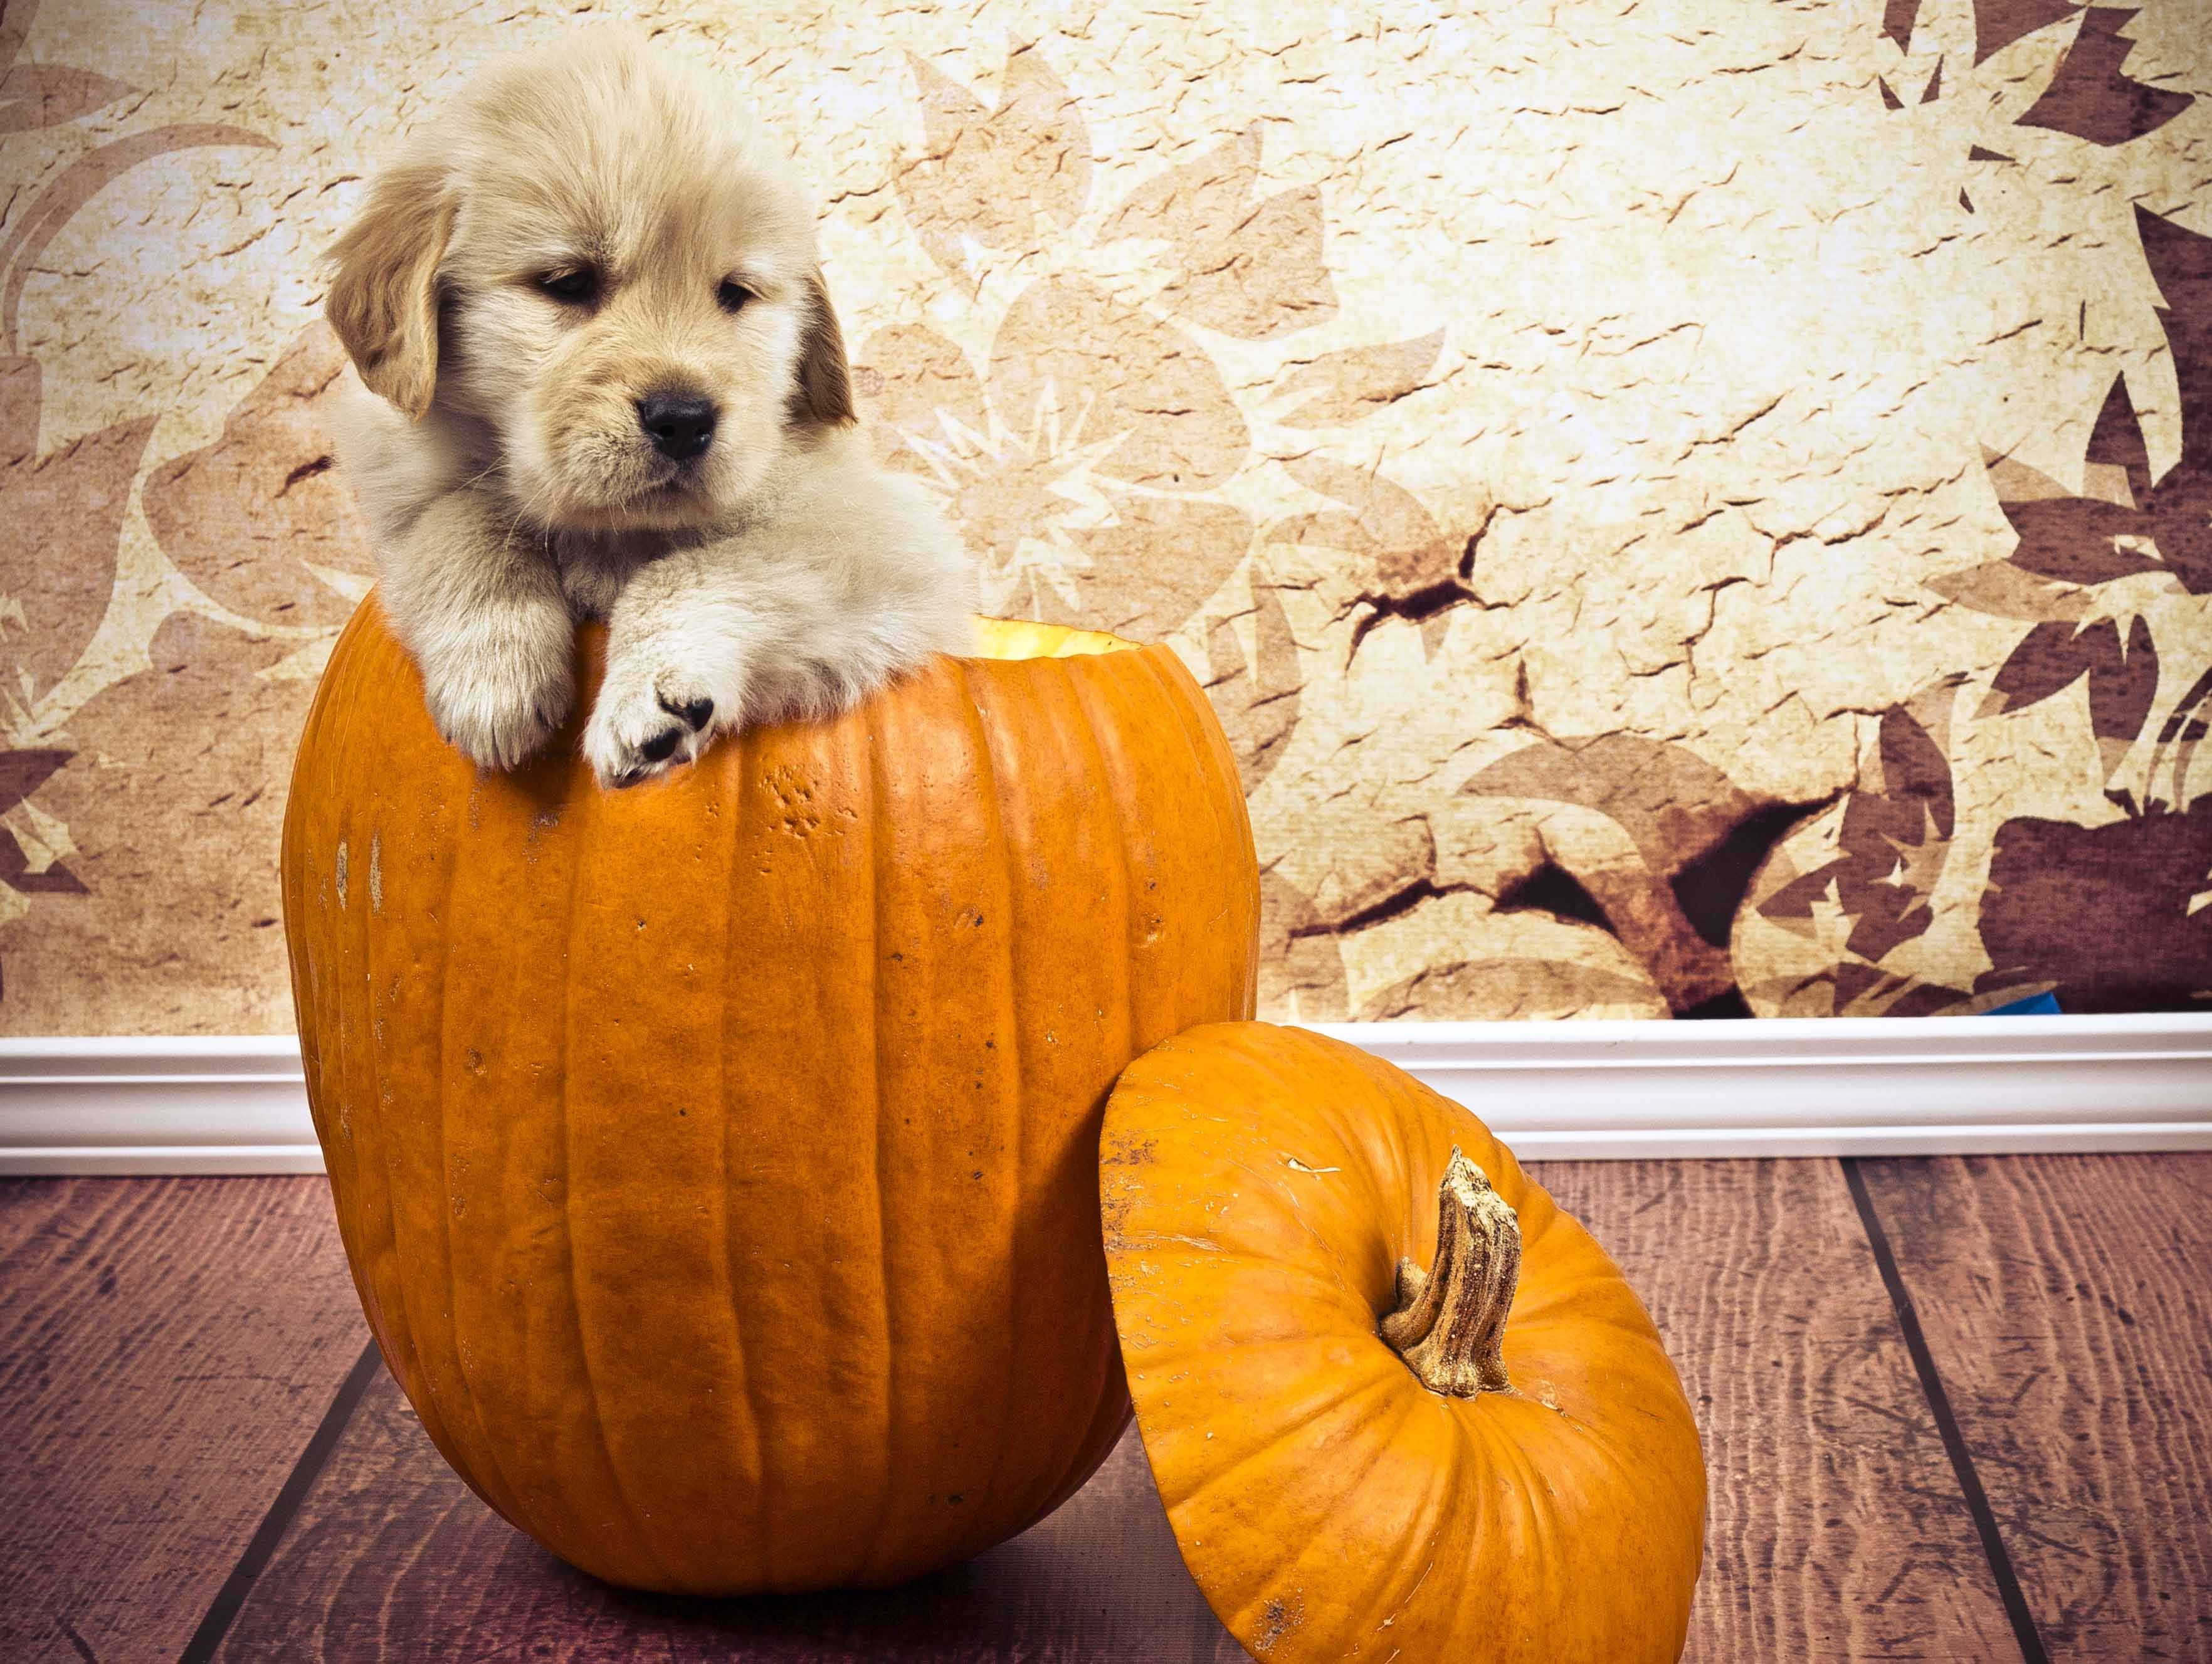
[(661, 746), (697, 711)]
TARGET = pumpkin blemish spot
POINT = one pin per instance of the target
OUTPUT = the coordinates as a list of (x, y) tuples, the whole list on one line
[(376, 872), (341, 872), (1279, 1618)]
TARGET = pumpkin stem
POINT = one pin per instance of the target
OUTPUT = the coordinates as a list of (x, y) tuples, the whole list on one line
[(1450, 1322)]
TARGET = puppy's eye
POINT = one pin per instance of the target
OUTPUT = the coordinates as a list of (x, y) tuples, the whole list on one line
[(733, 294), (576, 284)]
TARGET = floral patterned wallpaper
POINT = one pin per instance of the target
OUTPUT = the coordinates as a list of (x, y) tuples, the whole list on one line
[(1700, 509)]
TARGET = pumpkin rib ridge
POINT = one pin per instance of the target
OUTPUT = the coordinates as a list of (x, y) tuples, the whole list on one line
[(1157, 1242), (1188, 698), (1110, 792), (990, 795), (433, 1423), (734, 766), (1279, 1071), (1289, 1209), (508, 1505), (1171, 696), (1287, 1570), (878, 824), (1125, 962), (1305, 1418), (646, 1550), (1425, 1520)]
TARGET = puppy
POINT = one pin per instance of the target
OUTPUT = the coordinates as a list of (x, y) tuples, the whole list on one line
[(601, 377)]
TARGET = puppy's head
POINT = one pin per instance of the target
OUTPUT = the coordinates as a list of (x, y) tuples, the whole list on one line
[(601, 263)]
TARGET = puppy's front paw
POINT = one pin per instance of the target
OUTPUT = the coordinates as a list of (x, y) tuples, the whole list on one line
[(499, 697), (643, 724)]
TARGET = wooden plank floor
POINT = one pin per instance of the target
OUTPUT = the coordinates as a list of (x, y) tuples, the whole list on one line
[(166, 1348), (1955, 1409)]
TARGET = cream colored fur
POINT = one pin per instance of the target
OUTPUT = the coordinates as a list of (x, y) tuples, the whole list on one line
[(494, 437)]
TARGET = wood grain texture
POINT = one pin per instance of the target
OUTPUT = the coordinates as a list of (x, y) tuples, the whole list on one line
[(1837, 1529), (166, 1347), (2065, 1301), (392, 1559)]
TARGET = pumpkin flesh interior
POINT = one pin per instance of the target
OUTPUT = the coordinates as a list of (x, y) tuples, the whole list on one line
[(1018, 638)]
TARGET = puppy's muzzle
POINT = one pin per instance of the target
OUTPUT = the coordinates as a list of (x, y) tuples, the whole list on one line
[(680, 425)]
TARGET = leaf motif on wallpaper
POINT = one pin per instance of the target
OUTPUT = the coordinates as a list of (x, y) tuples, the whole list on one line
[(1898, 824), (1072, 469), (1255, 694), (1251, 270), (54, 589), (56, 583), (2183, 730), (2116, 917), (2091, 97), (921, 394), (2052, 657), (178, 769), (256, 517), (1409, 566), (22, 773), (1341, 387), (1699, 837), (2121, 695), (34, 95), (1301, 965), (1897, 20), (1851, 989), (985, 173), (1511, 989), (1998, 23), (2001, 590), (1156, 561), (77, 184), (2127, 523), (1109, 375)]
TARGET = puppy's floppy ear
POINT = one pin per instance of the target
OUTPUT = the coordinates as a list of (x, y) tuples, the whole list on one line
[(384, 293), (824, 392)]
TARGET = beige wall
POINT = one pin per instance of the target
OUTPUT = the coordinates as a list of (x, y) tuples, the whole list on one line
[(1700, 505)]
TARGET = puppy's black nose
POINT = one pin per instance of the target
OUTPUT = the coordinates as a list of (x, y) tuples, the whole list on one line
[(680, 425)]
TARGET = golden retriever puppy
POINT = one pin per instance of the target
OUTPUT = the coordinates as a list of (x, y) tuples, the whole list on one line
[(602, 379)]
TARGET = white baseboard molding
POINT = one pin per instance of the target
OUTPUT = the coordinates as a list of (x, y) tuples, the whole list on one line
[(1841, 1086)]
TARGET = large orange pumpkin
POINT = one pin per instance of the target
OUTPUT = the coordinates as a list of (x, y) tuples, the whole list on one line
[(717, 1159), (1399, 1406)]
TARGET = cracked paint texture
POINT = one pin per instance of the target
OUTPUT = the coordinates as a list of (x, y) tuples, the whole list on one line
[(1693, 508)]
